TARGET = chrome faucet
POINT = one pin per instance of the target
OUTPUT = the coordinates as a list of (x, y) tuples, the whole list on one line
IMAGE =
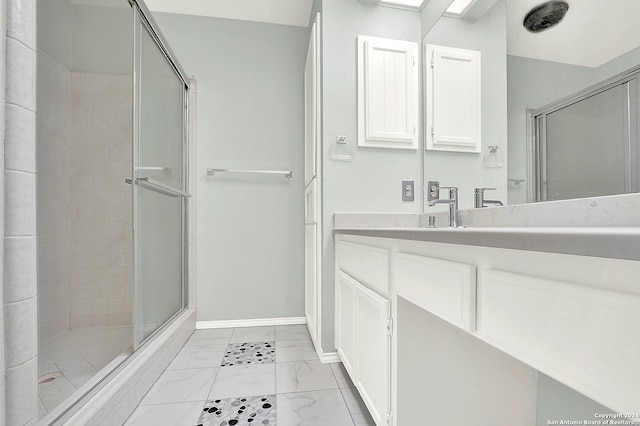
[(433, 198), (480, 200)]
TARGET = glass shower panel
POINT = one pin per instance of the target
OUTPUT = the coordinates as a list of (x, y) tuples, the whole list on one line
[(634, 141), (160, 155), (585, 147), (160, 279), (159, 200)]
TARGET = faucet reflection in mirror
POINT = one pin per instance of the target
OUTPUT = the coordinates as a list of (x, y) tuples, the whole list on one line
[(480, 200)]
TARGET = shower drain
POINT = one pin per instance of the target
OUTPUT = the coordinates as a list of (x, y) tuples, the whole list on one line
[(49, 377)]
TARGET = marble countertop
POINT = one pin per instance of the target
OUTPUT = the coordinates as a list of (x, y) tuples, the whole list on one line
[(609, 242), (606, 227)]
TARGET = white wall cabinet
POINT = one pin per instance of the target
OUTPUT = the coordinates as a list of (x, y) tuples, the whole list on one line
[(313, 188), (452, 99), (363, 341), (387, 93)]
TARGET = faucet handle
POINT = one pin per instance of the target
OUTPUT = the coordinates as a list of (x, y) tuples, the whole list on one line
[(485, 189), (433, 190)]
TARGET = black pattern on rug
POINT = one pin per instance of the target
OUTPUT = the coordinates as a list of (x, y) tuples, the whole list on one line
[(244, 411), (250, 353)]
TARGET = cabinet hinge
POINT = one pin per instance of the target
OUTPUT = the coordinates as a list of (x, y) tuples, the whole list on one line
[(433, 63), (390, 326), (414, 61), (433, 130), (389, 418), (414, 130)]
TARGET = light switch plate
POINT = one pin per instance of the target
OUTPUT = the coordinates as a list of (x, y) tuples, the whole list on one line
[(407, 190)]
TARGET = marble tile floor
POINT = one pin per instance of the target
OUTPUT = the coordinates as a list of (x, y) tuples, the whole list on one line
[(290, 388), (74, 358)]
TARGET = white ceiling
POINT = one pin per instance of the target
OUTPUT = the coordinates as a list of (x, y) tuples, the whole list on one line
[(284, 12), (593, 32)]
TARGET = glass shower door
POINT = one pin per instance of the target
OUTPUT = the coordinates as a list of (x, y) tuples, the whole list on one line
[(588, 146), (160, 190)]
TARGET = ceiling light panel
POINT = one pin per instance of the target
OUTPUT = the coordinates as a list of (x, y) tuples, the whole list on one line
[(408, 3), (459, 7)]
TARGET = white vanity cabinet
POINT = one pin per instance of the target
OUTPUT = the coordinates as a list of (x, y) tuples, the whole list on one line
[(446, 289), (514, 313), (363, 324)]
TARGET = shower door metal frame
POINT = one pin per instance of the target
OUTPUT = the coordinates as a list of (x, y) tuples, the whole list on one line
[(142, 20), (537, 133)]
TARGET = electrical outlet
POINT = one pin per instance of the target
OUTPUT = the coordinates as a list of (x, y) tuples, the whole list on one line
[(407, 190)]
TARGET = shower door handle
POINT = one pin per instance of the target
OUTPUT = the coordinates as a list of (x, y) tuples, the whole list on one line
[(160, 187)]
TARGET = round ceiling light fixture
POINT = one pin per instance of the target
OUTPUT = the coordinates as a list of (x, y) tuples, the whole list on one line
[(545, 16)]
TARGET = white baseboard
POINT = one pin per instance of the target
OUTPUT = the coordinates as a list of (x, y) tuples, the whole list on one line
[(258, 322), (327, 357)]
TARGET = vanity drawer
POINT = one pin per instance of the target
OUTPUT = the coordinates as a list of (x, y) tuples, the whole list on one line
[(367, 264), (444, 288), (582, 336)]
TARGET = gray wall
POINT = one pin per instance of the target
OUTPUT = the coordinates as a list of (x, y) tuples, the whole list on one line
[(533, 84), (466, 170), (250, 115), (372, 182)]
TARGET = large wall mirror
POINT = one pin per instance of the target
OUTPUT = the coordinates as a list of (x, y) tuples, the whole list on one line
[(559, 105)]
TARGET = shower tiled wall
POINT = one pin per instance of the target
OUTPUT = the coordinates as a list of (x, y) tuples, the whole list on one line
[(102, 244), (19, 274), (84, 205), (53, 130)]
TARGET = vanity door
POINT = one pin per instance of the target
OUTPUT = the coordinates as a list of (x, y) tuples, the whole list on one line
[(363, 341)]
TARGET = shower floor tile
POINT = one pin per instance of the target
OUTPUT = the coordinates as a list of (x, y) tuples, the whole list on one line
[(249, 353), (257, 410), (75, 358)]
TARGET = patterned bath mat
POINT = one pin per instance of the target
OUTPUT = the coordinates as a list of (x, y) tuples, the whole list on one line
[(246, 411), (249, 353)]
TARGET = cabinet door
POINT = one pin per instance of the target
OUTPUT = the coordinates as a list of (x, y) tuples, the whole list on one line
[(453, 99), (364, 343), (387, 93), (346, 342), (310, 279), (374, 349)]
